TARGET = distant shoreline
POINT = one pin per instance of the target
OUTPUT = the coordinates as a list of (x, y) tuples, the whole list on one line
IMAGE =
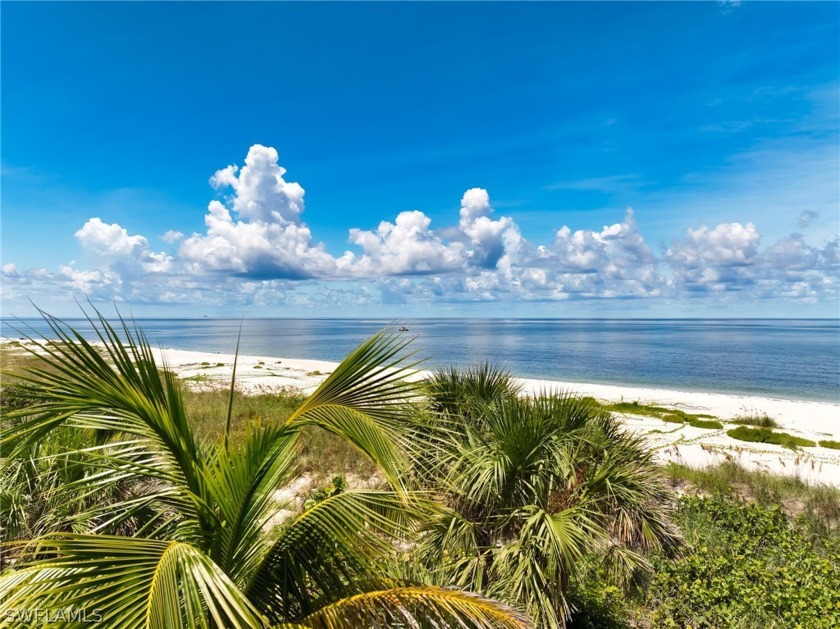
[(794, 359), (694, 447)]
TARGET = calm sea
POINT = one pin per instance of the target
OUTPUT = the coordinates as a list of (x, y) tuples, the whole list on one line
[(797, 359)]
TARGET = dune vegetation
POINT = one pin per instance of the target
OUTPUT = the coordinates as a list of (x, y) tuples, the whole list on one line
[(377, 501)]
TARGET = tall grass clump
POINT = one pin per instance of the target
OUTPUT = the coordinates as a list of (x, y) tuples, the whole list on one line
[(760, 420)]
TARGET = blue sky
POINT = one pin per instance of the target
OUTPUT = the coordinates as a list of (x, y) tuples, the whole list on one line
[(443, 159)]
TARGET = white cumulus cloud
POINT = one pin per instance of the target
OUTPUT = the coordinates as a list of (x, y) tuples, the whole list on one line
[(267, 238), (405, 247), (256, 249)]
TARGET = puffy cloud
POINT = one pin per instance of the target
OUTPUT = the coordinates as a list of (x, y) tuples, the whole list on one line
[(113, 246), (409, 246), (806, 217), (716, 260), (254, 249), (94, 284), (612, 262), (268, 240), (171, 236), (261, 193), (728, 244), (490, 240), (257, 250), (728, 258), (405, 247)]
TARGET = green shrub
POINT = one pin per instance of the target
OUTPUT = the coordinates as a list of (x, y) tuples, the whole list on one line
[(670, 415), (834, 445), (765, 435), (705, 423), (743, 566)]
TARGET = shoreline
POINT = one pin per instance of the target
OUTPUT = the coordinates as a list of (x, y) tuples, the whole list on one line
[(684, 444)]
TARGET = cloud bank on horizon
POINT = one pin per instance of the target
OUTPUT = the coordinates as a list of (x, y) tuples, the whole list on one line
[(257, 250)]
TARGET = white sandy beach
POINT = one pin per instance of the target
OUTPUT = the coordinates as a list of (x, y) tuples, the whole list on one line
[(695, 447)]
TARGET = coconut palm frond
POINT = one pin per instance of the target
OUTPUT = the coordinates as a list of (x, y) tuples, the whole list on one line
[(364, 401), (242, 483), (127, 582), (114, 388), (416, 606), (328, 548)]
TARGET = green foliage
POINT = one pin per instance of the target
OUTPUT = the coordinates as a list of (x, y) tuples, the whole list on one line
[(815, 510), (464, 394), (336, 486), (670, 415), (744, 566), (765, 435), (12, 397), (200, 549), (711, 424), (827, 443), (534, 486)]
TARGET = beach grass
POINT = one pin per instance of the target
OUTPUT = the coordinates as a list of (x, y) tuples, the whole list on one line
[(765, 435), (816, 508), (322, 454), (670, 415), (759, 420)]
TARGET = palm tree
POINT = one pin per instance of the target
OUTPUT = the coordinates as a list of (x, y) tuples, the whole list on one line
[(535, 487), (191, 545)]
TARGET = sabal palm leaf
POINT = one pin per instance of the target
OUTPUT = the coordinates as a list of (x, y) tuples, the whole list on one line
[(124, 393), (130, 582), (539, 485), (452, 391)]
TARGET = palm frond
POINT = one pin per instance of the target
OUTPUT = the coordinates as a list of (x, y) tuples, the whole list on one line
[(364, 401), (328, 548), (115, 388), (241, 483), (130, 582), (416, 606)]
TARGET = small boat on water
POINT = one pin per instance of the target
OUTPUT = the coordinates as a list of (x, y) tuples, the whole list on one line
[(403, 329)]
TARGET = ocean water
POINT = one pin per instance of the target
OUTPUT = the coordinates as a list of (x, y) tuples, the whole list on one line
[(795, 359)]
